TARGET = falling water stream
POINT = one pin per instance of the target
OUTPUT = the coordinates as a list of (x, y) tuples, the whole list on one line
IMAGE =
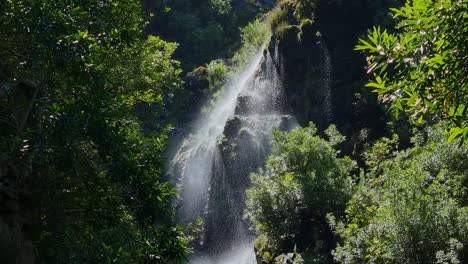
[(326, 83), (214, 163)]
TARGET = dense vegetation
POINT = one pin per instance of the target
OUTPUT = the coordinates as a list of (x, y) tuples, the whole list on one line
[(303, 181), (422, 68), (409, 202), (205, 29), (411, 207), (88, 91), (78, 176)]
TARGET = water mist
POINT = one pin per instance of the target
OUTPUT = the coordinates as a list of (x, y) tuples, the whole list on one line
[(229, 143)]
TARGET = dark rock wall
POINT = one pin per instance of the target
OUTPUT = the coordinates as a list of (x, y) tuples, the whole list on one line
[(338, 26)]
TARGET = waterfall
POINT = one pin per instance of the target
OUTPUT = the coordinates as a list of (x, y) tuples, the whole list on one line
[(327, 83), (214, 164)]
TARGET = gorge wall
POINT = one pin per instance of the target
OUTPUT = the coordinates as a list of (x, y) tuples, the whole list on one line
[(323, 71)]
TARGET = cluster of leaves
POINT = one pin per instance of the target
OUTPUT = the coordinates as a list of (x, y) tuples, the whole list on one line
[(292, 14), (255, 36), (71, 74), (206, 29), (410, 208), (421, 68), (216, 73), (303, 181)]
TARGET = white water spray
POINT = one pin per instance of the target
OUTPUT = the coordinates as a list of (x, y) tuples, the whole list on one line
[(214, 164), (327, 83), (196, 157)]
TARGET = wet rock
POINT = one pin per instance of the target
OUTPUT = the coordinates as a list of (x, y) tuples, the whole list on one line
[(258, 257), (197, 79), (246, 136), (232, 127), (289, 258), (287, 122), (221, 163), (245, 104)]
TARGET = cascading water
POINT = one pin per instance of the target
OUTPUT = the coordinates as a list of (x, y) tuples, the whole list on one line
[(214, 164), (327, 83)]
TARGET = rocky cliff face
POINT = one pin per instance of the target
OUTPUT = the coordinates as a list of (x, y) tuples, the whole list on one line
[(324, 76), (214, 176), (319, 79), (243, 149)]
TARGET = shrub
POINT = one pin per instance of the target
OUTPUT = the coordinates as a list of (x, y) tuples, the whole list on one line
[(414, 211), (304, 180)]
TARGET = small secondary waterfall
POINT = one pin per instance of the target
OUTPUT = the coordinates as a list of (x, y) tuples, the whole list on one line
[(327, 83), (214, 163)]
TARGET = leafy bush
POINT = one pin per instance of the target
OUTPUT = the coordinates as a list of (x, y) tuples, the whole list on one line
[(71, 145), (221, 7), (292, 14), (217, 73), (413, 209), (254, 35), (206, 29), (421, 68), (304, 179)]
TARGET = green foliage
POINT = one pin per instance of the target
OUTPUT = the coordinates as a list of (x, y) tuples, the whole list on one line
[(292, 14), (255, 36), (421, 68), (221, 7), (413, 209), (206, 29), (275, 205), (380, 151), (303, 181), (217, 73), (71, 74)]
